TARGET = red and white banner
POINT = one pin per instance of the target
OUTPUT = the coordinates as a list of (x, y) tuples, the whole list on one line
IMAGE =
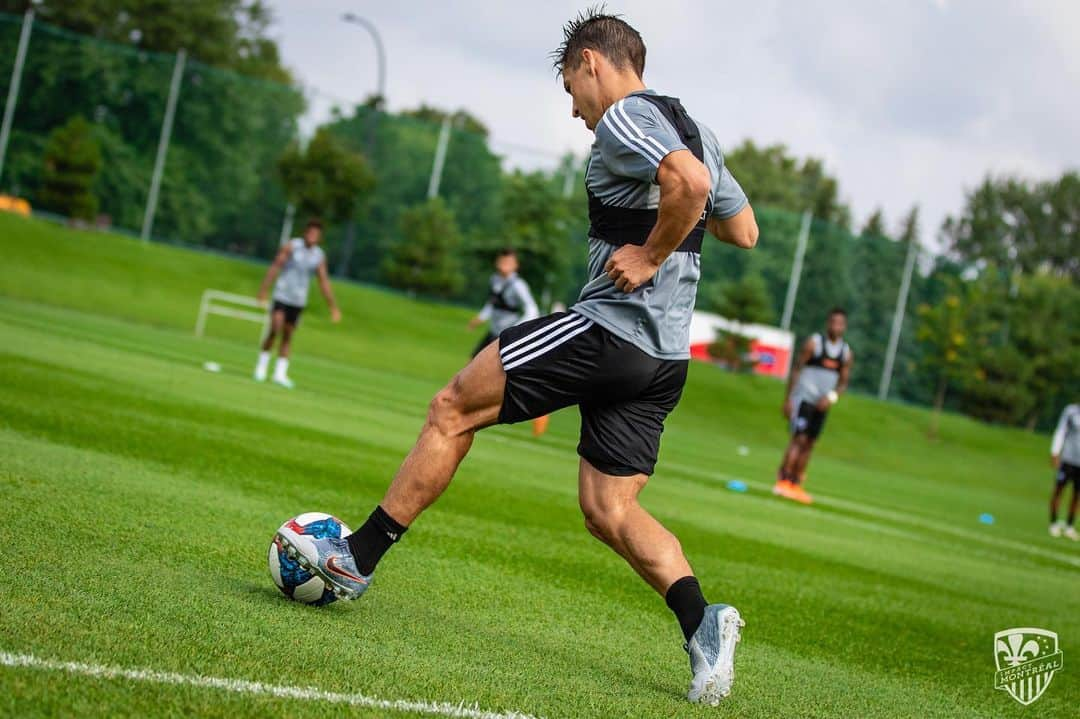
[(771, 347)]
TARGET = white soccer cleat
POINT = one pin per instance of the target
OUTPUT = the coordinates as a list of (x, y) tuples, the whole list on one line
[(712, 654), (283, 382), (1056, 528), (1072, 534), (260, 375)]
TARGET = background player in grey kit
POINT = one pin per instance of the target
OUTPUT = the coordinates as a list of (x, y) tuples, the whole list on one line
[(656, 181), (815, 384), (296, 261), (509, 301), (1065, 456)]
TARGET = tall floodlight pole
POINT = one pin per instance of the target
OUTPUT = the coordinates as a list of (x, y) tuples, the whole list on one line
[(440, 159), (796, 270), (163, 145), (898, 319), (380, 69), (13, 88)]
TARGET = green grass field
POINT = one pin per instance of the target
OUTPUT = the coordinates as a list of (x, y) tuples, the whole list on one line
[(139, 493)]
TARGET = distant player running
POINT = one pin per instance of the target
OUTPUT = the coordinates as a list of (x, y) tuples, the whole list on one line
[(1065, 456), (656, 181), (293, 267), (509, 303), (816, 382)]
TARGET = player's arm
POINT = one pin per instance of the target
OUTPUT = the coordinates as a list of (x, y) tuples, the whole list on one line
[(273, 271), (684, 189), (805, 353), (529, 310), (483, 316), (327, 292), (1058, 442), (740, 230)]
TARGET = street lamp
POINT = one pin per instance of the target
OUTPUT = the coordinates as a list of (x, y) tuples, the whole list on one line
[(380, 98)]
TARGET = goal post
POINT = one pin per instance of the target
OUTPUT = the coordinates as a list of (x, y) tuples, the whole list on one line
[(229, 304)]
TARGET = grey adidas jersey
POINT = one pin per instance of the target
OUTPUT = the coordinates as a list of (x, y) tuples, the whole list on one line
[(292, 284), (632, 138), (815, 382), (517, 303), (1066, 442)]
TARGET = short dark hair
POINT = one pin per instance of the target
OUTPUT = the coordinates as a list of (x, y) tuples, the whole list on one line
[(838, 311), (608, 34), (505, 252), (313, 223)]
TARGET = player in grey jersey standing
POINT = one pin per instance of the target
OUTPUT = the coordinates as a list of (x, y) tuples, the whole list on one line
[(296, 262), (656, 182), (1065, 456)]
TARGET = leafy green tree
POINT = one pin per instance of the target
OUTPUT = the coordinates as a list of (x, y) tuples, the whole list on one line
[(944, 333), (772, 177), (426, 257), (325, 178), (232, 34), (745, 301), (1019, 225), (1046, 334), (72, 163)]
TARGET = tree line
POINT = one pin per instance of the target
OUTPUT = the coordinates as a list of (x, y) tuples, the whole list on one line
[(991, 328)]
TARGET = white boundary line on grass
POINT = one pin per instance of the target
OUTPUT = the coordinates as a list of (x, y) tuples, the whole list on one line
[(242, 686)]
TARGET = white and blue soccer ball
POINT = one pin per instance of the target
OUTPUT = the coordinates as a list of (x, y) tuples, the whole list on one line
[(294, 581)]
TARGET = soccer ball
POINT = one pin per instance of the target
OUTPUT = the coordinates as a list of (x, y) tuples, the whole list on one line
[(294, 581)]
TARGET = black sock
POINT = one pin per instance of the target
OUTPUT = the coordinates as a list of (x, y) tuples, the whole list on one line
[(369, 543), (684, 597)]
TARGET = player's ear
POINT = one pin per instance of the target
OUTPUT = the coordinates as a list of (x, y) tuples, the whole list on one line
[(589, 59)]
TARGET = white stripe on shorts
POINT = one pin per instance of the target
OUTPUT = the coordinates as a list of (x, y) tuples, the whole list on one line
[(540, 336), (549, 346)]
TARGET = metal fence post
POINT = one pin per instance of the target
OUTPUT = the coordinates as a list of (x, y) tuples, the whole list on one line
[(898, 320), (796, 270), (163, 145), (13, 88), (440, 159)]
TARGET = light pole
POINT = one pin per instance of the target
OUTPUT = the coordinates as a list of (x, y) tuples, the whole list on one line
[(380, 98)]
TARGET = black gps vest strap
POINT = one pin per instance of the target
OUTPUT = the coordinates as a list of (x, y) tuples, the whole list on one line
[(630, 226), (827, 361)]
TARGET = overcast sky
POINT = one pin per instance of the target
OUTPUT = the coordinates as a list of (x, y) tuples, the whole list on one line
[(907, 102)]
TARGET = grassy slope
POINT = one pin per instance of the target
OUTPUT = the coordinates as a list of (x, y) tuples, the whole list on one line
[(141, 492)]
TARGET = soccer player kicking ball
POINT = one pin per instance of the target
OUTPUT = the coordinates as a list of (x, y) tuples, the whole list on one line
[(1065, 456), (293, 267), (509, 303), (656, 182), (820, 376)]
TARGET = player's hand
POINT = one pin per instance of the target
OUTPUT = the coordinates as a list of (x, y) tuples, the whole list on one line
[(788, 409), (823, 404), (475, 322), (630, 267), (335, 315), (1055, 461), (261, 299)]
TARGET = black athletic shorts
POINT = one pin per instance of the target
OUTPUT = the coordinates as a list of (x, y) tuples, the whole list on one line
[(624, 394), (292, 312), (487, 339), (1068, 473), (809, 421)]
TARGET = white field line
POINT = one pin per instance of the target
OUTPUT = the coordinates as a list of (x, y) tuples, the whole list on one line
[(241, 686), (861, 508)]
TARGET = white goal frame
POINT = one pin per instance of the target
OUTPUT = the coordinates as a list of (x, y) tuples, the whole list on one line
[(228, 304)]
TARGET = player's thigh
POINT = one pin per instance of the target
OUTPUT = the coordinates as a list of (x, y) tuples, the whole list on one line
[(474, 396), (622, 439), (277, 320)]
